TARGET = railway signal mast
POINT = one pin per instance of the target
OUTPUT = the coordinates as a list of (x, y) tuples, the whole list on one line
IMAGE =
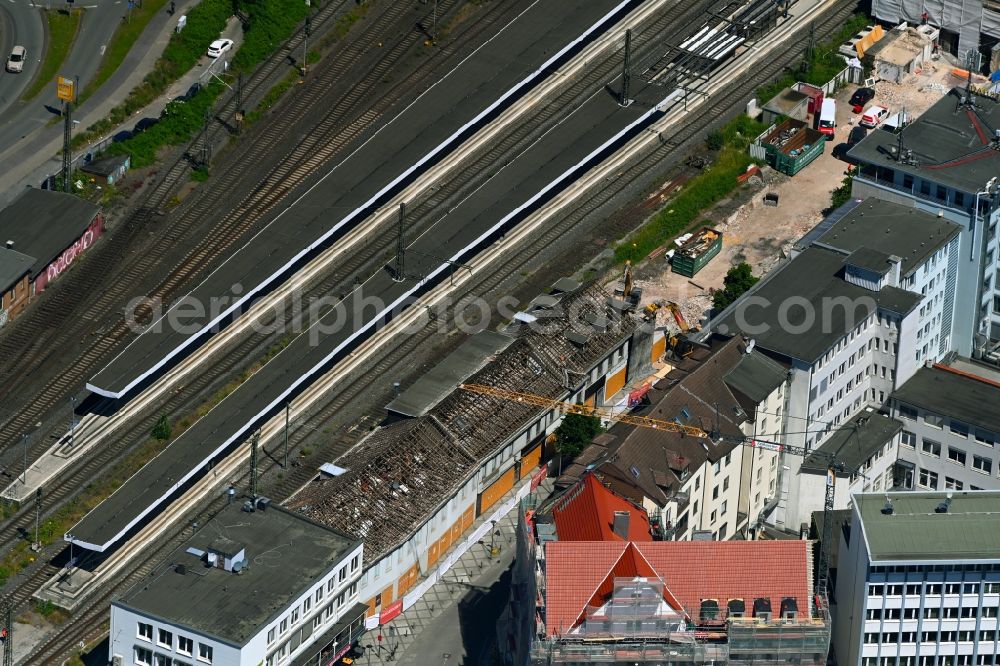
[(833, 465)]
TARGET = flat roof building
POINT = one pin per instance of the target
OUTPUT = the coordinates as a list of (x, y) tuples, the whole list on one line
[(865, 300), (949, 434), (918, 580), (41, 233), (946, 163), (249, 587)]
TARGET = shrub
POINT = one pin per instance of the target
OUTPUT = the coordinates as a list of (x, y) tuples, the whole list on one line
[(576, 432), (700, 192), (841, 195), (738, 279), (161, 430)]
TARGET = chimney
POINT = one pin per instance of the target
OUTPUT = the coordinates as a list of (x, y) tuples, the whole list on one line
[(621, 524)]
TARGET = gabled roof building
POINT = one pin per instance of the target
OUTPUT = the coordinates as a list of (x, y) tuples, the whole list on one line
[(690, 485), (613, 600)]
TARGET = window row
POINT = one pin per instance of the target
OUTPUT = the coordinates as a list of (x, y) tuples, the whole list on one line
[(284, 651), (165, 639), (914, 589), (289, 621)]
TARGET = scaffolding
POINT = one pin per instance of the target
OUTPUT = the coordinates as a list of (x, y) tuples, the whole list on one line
[(638, 626)]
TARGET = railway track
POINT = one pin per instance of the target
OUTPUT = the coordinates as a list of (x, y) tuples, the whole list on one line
[(46, 329), (337, 122), (135, 435), (360, 390)]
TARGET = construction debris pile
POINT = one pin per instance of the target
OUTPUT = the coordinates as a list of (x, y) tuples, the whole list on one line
[(398, 477)]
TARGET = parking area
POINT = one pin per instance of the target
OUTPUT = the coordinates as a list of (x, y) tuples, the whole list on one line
[(761, 234)]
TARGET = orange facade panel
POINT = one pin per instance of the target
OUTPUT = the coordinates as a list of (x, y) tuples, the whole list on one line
[(497, 489), (531, 460), (615, 383), (387, 597), (468, 518), (433, 554), (407, 580), (659, 349), (371, 608)]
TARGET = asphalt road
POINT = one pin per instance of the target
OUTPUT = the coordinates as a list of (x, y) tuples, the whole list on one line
[(22, 23)]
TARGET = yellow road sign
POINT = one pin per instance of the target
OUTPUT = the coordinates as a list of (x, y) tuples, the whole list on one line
[(65, 89)]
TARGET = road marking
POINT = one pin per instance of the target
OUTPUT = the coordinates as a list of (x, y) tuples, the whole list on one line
[(103, 46)]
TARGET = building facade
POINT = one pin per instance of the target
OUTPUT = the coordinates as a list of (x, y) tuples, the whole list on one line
[(466, 458), (863, 302), (42, 233), (918, 580), (949, 436), (656, 602), (964, 24), (945, 164), (714, 486), (251, 587)]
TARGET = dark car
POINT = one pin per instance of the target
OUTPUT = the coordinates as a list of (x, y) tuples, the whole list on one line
[(861, 97), (124, 135), (191, 92), (857, 133), (144, 124)]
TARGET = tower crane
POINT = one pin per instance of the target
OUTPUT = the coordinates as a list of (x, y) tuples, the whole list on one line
[(833, 464)]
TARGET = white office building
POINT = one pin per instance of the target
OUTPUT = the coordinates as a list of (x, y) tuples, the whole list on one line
[(918, 581), (946, 164), (861, 305), (265, 586), (951, 427)]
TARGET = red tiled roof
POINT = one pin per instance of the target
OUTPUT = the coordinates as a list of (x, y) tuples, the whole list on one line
[(587, 512), (577, 571)]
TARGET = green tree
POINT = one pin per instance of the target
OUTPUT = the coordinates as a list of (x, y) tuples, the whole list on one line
[(161, 430), (576, 432), (738, 279), (842, 194)]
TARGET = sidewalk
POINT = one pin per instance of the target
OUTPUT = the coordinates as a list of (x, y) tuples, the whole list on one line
[(454, 622), (36, 156)]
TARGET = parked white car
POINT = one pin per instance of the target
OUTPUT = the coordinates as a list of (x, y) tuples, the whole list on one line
[(218, 47), (874, 115)]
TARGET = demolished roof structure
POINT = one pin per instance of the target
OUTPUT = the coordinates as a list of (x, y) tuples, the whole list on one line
[(401, 474)]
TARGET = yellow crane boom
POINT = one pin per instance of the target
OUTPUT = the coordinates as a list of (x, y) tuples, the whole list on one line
[(587, 410)]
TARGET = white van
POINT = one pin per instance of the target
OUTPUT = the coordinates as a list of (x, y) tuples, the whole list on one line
[(896, 122), (828, 118)]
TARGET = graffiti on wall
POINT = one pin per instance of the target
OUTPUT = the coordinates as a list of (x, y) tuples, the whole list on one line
[(63, 261)]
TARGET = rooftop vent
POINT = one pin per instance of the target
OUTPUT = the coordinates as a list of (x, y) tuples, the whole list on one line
[(226, 554), (10, 245), (887, 509), (943, 506)]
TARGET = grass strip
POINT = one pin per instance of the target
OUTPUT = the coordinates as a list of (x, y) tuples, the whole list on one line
[(124, 38), (699, 193), (62, 29)]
